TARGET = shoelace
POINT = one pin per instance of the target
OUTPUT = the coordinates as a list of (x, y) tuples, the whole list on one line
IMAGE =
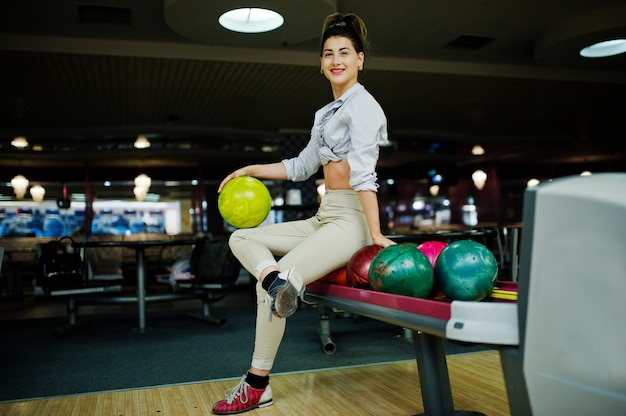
[(239, 389)]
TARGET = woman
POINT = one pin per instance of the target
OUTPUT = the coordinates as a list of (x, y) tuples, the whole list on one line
[(345, 140)]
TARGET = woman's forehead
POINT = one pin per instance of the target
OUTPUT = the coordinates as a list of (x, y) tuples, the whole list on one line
[(338, 42)]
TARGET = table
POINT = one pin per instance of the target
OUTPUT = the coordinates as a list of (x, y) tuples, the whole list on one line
[(139, 246)]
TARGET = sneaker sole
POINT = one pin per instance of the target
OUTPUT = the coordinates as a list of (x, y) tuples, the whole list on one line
[(286, 302), (236, 412)]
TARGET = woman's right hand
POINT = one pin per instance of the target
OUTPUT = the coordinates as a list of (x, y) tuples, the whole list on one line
[(235, 174), (275, 171)]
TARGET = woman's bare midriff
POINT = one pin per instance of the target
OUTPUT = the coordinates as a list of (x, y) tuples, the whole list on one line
[(337, 175)]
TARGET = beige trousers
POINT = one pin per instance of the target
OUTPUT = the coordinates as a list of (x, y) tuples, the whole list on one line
[(316, 246)]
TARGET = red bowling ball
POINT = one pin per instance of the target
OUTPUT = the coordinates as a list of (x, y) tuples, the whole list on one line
[(358, 266), (337, 277)]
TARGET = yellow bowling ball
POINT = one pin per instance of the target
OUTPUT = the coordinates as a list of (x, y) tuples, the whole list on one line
[(244, 202)]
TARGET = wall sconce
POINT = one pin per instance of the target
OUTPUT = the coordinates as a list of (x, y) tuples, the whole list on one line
[(142, 142), (478, 150), (479, 177), (19, 184), (140, 193), (143, 181), (321, 188), (37, 192), (142, 184), (532, 183), (19, 142)]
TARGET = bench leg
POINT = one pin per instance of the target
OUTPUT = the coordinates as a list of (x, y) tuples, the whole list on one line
[(328, 345), (433, 374), (73, 323)]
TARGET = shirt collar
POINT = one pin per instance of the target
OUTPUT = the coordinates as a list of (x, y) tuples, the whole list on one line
[(325, 112), (351, 91)]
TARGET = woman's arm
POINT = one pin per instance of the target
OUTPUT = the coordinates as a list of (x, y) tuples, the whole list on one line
[(274, 171), (369, 203)]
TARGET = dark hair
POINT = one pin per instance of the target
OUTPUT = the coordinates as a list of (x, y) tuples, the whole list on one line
[(346, 25)]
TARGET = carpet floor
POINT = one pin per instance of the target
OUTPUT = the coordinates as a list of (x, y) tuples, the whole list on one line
[(107, 355)]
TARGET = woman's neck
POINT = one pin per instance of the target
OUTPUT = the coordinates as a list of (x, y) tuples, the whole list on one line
[(340, 89)]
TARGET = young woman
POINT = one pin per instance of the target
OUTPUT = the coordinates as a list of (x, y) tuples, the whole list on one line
[(345, 141)]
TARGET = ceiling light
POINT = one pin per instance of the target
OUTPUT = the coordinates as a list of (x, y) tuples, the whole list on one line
[(19, 184), (604, 49), (19, 142), (142, 142), (251, 20)]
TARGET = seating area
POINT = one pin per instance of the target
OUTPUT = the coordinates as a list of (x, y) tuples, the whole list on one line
[(111, 272)]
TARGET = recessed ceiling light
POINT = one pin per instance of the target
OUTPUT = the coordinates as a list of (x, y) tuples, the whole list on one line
[(251, 20), (142, 142), (604, 49), (19, 142)]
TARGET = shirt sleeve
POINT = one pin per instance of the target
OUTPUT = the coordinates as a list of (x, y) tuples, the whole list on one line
[(367, 126), (304, 165)]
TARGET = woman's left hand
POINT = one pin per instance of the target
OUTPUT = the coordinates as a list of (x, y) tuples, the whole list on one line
[(382, 241)]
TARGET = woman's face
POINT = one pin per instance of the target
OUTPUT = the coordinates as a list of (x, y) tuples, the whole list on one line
[(341, 63)]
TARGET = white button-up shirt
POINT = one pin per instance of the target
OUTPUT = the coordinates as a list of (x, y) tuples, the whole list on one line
[(352, 127)]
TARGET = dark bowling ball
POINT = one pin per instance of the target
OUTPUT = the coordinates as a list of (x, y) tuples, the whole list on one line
[(466, 270), (402, 269)]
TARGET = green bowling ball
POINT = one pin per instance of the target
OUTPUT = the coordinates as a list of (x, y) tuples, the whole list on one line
[(466, 270), (401, 269)]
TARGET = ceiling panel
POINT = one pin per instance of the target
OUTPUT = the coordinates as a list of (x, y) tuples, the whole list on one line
[(100, 81)]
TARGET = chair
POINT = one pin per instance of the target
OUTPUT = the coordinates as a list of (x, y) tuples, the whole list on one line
[(61, 272), (215, 270)]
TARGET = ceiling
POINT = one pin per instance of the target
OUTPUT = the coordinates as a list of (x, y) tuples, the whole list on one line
[(81, 79)]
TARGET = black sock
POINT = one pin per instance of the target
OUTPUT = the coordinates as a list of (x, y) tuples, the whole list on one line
[(257, 382), (269, 279)]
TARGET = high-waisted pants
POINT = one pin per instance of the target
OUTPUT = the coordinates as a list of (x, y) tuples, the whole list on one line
[(316, 246)]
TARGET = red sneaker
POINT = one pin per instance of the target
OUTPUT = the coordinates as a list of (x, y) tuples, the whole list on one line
[(243, 398)]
